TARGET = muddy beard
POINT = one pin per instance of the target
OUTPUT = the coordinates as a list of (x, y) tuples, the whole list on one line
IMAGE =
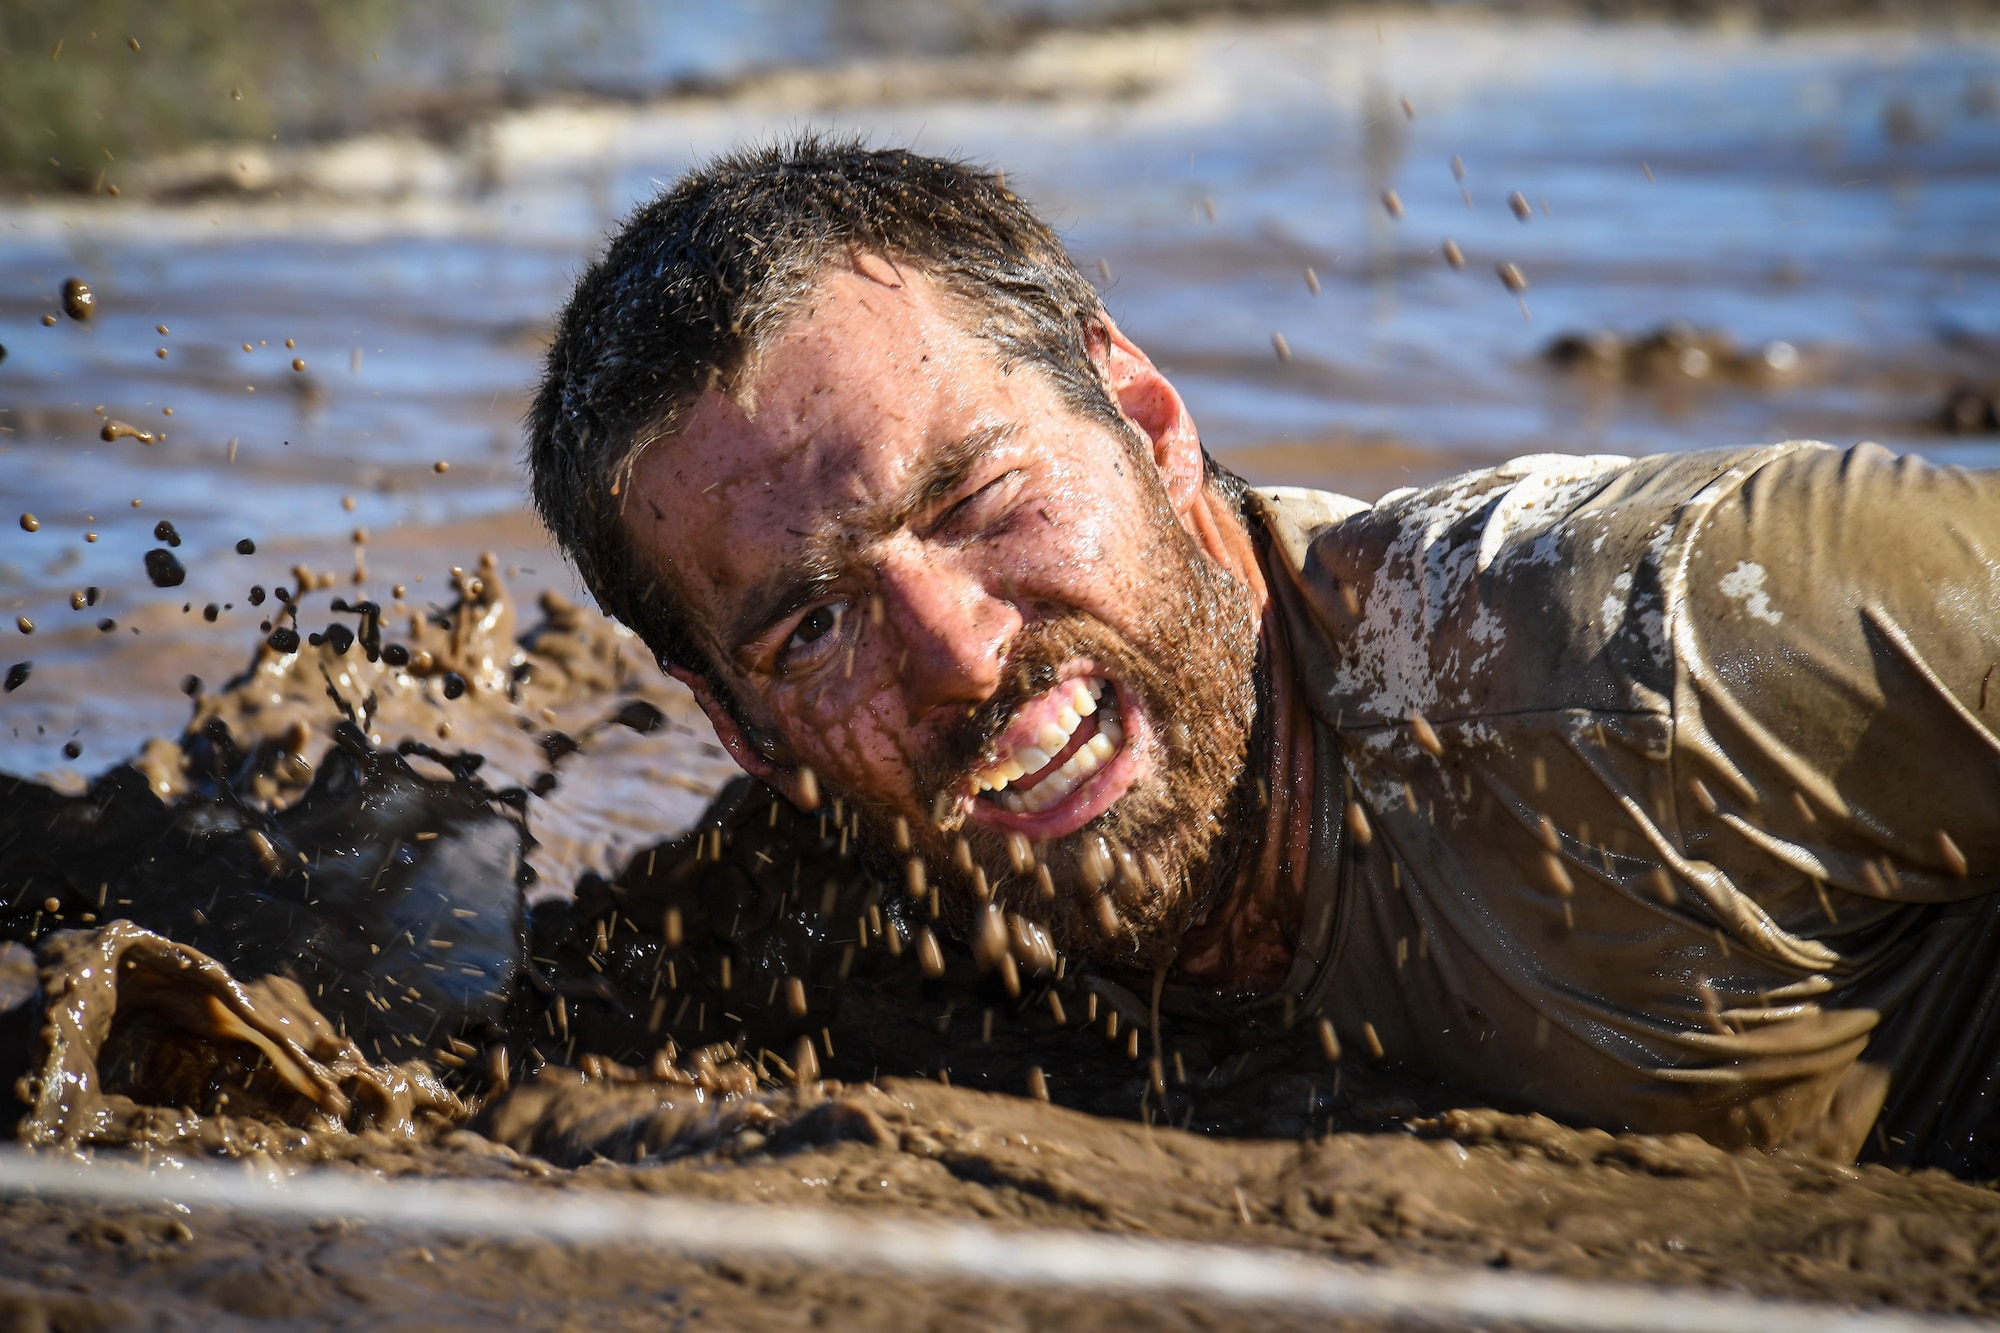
[(1159, 856)]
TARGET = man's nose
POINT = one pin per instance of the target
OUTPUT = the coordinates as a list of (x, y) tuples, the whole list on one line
[(952, 631)]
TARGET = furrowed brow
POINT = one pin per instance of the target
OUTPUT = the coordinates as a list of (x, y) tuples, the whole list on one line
[(807, 576), (944, 472)]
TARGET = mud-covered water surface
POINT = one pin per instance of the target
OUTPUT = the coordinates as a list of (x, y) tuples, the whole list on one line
[(336, 834)]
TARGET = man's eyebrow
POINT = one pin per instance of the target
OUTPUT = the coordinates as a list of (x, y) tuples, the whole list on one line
[(804, 578), (942, 473)]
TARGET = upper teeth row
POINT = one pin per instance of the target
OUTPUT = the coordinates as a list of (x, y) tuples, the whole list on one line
[(1058, 785), (1048, 742)]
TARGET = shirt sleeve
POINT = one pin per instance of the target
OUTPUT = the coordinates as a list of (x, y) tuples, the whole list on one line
[(1836, 640)]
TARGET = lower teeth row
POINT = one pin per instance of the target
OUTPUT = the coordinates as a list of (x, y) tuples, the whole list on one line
[(1087, 760)]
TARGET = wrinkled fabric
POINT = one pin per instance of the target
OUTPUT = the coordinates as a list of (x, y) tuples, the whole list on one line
[(1712, 841)]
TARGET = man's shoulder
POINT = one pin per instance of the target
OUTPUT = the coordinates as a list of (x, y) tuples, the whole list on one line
[(1540, 582), (1307, 509), (1682, 472)]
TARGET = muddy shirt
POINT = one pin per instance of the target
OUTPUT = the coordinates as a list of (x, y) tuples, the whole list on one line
[(1711, 835)]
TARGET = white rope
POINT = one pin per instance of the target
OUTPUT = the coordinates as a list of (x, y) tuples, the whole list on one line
[(1068, 1260)]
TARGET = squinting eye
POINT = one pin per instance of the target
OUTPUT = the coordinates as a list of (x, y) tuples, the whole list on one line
[(819, 622)]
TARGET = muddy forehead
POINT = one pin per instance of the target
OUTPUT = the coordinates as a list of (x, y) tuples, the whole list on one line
[(822, 438)]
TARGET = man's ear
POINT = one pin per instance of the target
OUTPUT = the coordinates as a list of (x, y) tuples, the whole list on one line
[(734, 739), (1152, 404)]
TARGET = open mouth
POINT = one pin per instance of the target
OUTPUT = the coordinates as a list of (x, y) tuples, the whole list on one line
[(1065, 748)]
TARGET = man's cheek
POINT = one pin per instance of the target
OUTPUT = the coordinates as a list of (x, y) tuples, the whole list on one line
[(855, 749)]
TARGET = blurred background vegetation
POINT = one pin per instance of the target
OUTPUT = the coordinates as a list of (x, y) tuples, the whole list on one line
[(88, 85)]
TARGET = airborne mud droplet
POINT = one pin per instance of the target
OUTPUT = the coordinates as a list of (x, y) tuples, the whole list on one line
[(17, 675), (78, 301), (164, 568)]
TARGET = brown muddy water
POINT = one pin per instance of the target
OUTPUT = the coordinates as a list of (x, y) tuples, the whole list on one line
[(455, 884)]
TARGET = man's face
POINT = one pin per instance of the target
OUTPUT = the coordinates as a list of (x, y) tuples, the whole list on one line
[(966, 608)]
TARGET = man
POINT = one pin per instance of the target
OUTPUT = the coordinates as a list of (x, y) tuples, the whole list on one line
[(1658, 795)]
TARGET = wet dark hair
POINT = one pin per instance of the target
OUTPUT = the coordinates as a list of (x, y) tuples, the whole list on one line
[(682, 298)]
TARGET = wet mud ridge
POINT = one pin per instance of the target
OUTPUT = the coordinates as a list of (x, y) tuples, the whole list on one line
[(325, 926)]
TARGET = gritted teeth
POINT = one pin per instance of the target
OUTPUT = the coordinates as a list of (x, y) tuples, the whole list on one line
[(1075, 700)]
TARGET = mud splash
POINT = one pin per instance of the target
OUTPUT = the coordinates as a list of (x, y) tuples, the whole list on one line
[(151, 1043), (736, 1014)]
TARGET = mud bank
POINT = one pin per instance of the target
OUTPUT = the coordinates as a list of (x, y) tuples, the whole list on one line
[(1500, 1192)]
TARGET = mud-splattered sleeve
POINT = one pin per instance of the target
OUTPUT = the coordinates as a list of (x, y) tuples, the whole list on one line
[(1837, 636)]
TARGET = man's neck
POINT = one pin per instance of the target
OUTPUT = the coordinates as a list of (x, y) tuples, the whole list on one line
[(1247, 942)]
